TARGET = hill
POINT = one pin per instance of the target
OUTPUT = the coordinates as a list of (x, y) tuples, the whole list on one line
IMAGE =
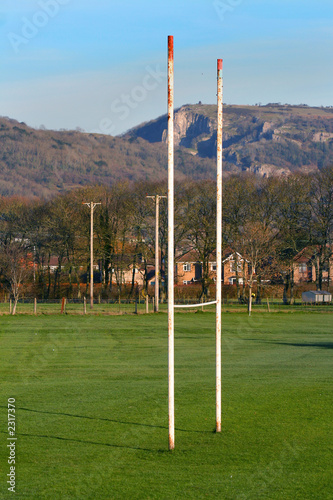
[(44, 162), (267, 140)]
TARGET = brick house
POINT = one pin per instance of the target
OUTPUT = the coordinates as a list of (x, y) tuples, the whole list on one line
[(53, 263), (189, 267), (140, 275), (306, 264), (229, 262)]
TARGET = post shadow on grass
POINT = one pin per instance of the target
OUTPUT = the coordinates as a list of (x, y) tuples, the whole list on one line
[(109, 420), (82, 441), (320, 345)]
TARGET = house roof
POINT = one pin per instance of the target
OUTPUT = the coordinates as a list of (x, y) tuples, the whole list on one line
[(54, 261), (304, 255), (151, 275), (192, 256), (231, 256), (308, 253)]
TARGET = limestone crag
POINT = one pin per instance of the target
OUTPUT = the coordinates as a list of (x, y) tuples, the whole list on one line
[(268, 140), (188, 126)]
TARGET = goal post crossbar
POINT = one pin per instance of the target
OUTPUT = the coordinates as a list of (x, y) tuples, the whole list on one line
[(178, 306)]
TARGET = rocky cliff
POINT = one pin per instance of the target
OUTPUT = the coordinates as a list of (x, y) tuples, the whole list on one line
[(268, 140)]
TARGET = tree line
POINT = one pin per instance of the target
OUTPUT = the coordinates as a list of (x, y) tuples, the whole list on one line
[(265, 220)]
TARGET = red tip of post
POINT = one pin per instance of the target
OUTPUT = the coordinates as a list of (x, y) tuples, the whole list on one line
[(170, 46), (219, 64)]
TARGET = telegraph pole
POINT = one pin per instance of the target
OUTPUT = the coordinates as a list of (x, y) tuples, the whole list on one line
[(34, 263), (157, 265), (92, 206)]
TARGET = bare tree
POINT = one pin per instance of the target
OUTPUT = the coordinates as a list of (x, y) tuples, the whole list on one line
[(237, 212), (16, 266), (201, 227), (292, 219), (321, 201)]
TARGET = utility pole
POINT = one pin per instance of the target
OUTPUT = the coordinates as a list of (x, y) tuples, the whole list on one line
[(157, 265), (34, 263), (92, 206)]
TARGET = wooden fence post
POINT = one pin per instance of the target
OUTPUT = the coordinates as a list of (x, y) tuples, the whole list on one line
[(268, 305)]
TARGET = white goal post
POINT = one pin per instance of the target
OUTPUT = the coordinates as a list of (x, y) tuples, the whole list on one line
[(171, 264)]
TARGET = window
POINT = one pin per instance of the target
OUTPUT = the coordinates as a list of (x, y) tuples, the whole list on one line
[(213, 266), (233, 266), (232, 281), (302, 267), (186, 267)]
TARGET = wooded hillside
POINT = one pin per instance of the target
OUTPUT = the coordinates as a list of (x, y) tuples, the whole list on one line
[(266, 140)]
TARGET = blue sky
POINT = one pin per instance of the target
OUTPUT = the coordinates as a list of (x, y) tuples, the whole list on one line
[(101, 65)]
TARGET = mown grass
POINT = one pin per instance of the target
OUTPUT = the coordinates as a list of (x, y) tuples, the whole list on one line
[(91, 397)]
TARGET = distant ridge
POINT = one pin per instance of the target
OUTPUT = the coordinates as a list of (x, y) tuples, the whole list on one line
[(273, 139), (267, 140)]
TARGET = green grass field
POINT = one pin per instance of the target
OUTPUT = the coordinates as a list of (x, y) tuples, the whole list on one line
[(92, 407)]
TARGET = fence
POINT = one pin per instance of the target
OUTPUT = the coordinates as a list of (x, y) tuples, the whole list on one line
[(146, 306)]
